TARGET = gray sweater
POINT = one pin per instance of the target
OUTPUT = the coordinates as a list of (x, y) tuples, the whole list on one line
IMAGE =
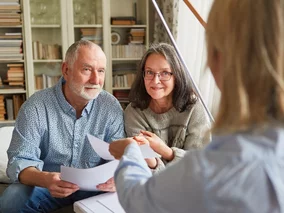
[(180, 131)]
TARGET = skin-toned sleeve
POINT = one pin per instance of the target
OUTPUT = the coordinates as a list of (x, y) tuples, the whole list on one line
[(170, 190)]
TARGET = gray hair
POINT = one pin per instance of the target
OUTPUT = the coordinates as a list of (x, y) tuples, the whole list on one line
[(72, 52)]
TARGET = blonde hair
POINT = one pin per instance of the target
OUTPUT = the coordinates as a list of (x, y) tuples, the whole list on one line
[(249, 36)]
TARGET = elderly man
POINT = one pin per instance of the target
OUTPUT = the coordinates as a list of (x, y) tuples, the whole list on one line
[(51, 130)]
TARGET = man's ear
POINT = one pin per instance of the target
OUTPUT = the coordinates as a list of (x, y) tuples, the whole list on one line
[(64, 69)]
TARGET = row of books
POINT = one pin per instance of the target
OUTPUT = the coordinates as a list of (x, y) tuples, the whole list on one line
[(45, 81), (10, 109), (123, 80), (128, 51), (10, 13), (46, 51)]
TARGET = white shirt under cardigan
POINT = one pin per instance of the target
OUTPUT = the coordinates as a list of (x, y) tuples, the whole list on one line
[(179, 130), (239, 173)]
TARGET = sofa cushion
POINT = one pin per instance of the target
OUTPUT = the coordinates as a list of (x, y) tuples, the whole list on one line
[(5, 135)]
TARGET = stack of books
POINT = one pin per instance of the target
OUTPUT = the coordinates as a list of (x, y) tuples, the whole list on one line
[(123, 20), (92, 34), (137, 36), (2, 108), (10, 13), (11, 46), (15, 75)]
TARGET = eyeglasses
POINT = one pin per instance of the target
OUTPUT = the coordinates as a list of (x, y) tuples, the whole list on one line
[(163, 76)]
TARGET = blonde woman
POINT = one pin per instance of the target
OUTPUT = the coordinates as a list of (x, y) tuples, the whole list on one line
[(242, 169)]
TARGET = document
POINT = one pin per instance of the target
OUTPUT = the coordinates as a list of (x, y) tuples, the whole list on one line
[(88, 179), (101, 148), (104, 203)]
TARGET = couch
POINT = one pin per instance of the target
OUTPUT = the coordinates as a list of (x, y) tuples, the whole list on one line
[(5, 137)]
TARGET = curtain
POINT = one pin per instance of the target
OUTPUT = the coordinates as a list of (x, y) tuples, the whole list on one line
[(170, 10), (192, 46)]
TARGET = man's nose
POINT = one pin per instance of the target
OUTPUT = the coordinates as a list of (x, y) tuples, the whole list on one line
[(94, 78)]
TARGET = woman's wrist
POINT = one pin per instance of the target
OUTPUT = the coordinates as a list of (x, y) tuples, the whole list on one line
[(167, 153)]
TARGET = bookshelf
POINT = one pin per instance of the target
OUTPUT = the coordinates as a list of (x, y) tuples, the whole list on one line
[(129, 40), (41, 32), (13, 90)]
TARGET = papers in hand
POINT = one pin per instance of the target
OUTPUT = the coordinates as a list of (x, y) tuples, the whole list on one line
[(88, 179), (102, 147)]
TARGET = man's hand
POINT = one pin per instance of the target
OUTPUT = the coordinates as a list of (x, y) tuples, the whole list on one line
[(116, 148), (57, 187), (108, 186), (50, 180)]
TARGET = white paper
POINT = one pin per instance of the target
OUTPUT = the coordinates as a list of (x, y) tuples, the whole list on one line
[(88, 179), (104, 203), (102, 149), (148, 152)]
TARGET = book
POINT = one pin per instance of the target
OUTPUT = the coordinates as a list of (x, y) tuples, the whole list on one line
[(10, 36), (11, 50), (10, 109), (10, 43), (18, 100), (10, 7), (123, 20), (10, 20), (15, 65), (91, 31)]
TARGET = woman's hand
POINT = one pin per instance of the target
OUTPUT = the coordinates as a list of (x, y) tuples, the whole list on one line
[(152, 139), (156, 143), (116, 148)]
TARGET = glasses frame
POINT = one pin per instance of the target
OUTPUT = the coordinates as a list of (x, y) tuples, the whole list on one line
[(159, 75)]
